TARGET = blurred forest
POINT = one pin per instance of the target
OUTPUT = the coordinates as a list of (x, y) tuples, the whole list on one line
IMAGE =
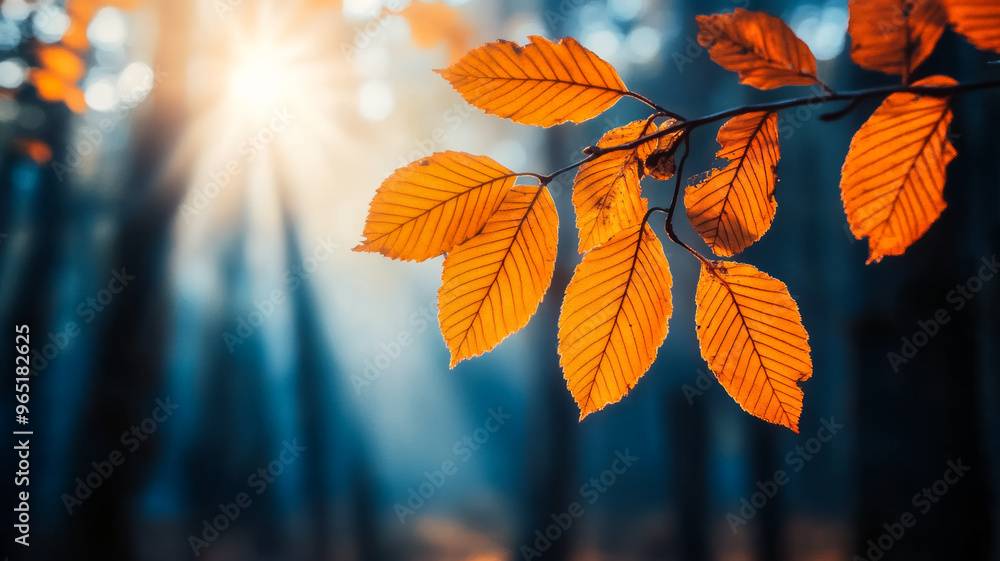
[(176, 226)]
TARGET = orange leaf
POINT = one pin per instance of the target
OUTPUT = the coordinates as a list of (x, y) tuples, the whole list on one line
[(614, 317), (493, 282), (760, 47), (606, 191), (426, 208), (893, 179), (660, 162), (543, 83), (752, 337), (894, 36), (436, 22), (734, 206), (977, 20)]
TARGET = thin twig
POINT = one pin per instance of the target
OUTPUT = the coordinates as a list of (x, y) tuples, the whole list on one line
[(855, 98), (651, 103)]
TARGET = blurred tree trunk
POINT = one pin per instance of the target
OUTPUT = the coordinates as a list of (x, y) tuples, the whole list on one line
[(129, 371)]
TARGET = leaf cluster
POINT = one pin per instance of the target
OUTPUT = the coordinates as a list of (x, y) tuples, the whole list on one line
[(500, 238)]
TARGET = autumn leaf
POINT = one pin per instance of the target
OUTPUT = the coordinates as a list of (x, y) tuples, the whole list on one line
[(752, 337), (493, 282), (660, 162), (760, 47), (894, 36), (614, 317), (428, 207), (734, 206), (893, 179), (432, 23), (606, 192), (542, 83), (977, 20)]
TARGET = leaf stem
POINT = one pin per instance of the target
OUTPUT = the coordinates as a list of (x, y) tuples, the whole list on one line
[(654, 105), (679, 174), (856, 96)]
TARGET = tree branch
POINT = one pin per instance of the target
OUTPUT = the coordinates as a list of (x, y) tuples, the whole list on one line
[(854, 98)]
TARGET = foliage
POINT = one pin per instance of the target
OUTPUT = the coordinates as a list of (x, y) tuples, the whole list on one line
[(500, 239)]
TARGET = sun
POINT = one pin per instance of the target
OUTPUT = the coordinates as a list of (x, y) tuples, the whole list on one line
[(258, 81)]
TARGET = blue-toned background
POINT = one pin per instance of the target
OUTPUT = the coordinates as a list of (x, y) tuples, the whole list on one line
[(183, 261)]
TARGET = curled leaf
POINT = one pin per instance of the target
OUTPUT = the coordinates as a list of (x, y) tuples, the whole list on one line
[(752, 337), (606, 192), (494, 281), (761, 48), (542, 83), (660, 162), (893, 179), (894, 36), (977, 20)]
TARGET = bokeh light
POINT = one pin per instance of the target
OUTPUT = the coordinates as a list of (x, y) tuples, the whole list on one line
[(12, 73), (108, 29), (375, 100), (822, 28), (101, 95)]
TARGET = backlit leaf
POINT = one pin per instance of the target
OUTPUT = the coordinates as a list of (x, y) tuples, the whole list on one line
[(542, 83), (493, 282), (432, 23), (752, 337), (614, 317), (894, 36), (893, 179), (606, 192), (734, 206), (760, 47), (426, 208), (977, 20), (660, 162)]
